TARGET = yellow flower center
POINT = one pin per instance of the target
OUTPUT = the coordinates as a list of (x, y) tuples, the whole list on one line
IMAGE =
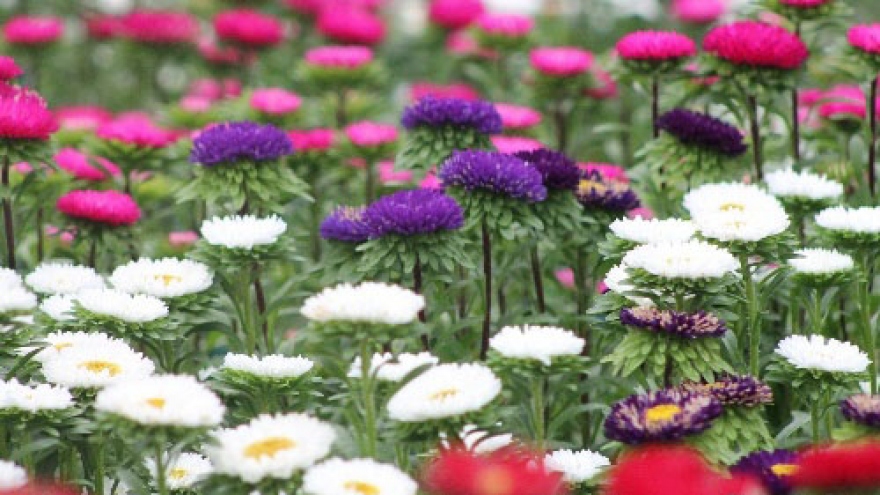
[(268, 447), (112, 369), (168, 279), (60, 346), (784, 469), (662, 413), (494, 481), (444, 394), (587, 185), (732, 207), (156, 402), (177, 473), (362, 487)]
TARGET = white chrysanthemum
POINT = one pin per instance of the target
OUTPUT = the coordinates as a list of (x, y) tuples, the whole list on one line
[(12, 476), (96, 367), (63, 278), (865, 220), (653, 231), (444, 391), (271, 447), (274, 366), (184, 471), (243, 232), (787, 183), (535, 342), (369, 302), (816, 261), (389, 368), (116, 304), (729, 197), (357, 477), (10, 279), (481, 442), (16, 299), (817, 353), (59, 307), (42, 397), (617, 281), (576, 466), (691, 260), (163, 278), (60, 342), (170, 400), (737, 226)]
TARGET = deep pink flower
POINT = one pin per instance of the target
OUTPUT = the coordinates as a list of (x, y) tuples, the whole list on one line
[(160, 26), (222, 55), (351, 25), (368, 134), (389, 176), (459, 91), (275, 101), (698, 11), (843, 102), (77, 163), (809, 97), (314, 7), (183, 238), (804, 4), (195, 104), (248, 27), (9, 69), (108, 207), (103, 27), (657, 46), (455, 14), (136, 131), (511, 26), (515, 144), (561, 61), (339, 57), (606, 88), (312, 139), (517, 117), (23, 114), (756, 44), (26, 30), (23, 168), (85, 118), (462, 43), (606, 170), (565, 276), (431, 181), (865, 37)]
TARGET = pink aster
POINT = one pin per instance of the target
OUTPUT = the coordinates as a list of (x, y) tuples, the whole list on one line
[(698, 11), (517, 117), (865, 37), (515, 144), (368, 134), (563, 61), (223, 55), (655, 46), (103, 27), (462, 43), (82, 118), (804, 4), (275, 101), (606, 87), (27, 30), (455, 14), (509, 25), (137, 131), (644, 212), (431, 181), (606, 170), (9, 69), (389, 176), (248, 27), (181, 239), (842, 102), (351, 25), (107, 207), (565, 277), (809, 97), (459, 91), (195, 104), (23, 114), (79, 166), (756, 44), (312, 139), (160, 26), (339, 57)]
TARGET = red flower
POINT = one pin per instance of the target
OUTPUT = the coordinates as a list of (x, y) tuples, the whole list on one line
[(23, 114), (454, 90), (160, 26), (455, 14), (248, 27), (108, 207), (840, 466), (36, 488), (103, 27), (351, 25), (137, 131), (756, 44), (503, 472)]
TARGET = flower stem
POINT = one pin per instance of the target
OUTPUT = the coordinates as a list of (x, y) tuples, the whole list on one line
[(341, 117), (369, 404), (560, 119), (161, 483), (487, 295), (315, 215), (417, 288), (247, 323), (261, 314), (752, 328), (538, 279), (872, 143), (756, 136), (8, 223), (369, 182), (864, 310), (817, 320), (814, 421), (538, 408), (655, 105), (93, 254), (40, 236), (580, 284)]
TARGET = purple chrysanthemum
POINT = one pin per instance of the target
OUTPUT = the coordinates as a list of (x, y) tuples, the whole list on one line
[(595, 192), (346, 224), (863, 409), (771, 467), (238, 141), (493, 172), (478, 115), (735, 390), (557, 170), (679, 324), (420, 211), (703, 131), (660, 416)]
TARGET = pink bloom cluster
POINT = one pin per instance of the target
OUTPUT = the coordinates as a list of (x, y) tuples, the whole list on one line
[(9, 69), (312, 139), (351, 25), (77, 163), (455, 14), (159, 26), (517, 117), (756, 44), (515, 144), (183, 238), (843, 102), (606, 87), (459, 91), (368, 134), (136, 130), (82, 118), (563, 61), (275, 101), (511, 26), (315, 7), (805, 4), (106, 207), (26, 30), (24, 115), (865, 37), (606, 170), (339, 57), (698, 11), (389, 176), (655, 46), (248, 27)]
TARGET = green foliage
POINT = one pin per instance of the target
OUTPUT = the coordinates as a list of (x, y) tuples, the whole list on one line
[(426, 147)]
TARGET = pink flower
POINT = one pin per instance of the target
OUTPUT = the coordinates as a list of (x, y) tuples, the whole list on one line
[(206, 88), (340, 57), (462, 43), (804, 4), (248, 27), (565, 276), (23, 168), (698, 11), (183, 238), (103, 27), (86, 118), (514, 144), (517, 117), (351, 25), (865, 37), (195, 104), (26, 30), (107, 207), (160, 26), (222, 55), (642, 211), (305, 7), (843, 102), (275, 101), (67, 237), (460, 91), (455, 14), (508, 25), (809, 97), (606, 170), (312, 140), (756, 44), (369, 134), (431, 181), (601, 287), (387, 174), (655, 46), (607, 87), (77, 163), (562, 61), (9, 69), (23, 114), (136, 131)]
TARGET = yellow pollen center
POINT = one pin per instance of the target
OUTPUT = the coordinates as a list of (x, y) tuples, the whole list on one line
[(784, 469), (444, 394), (112, 369), (362, 488), (268, 447), (177, 473), (732, 207), (662, 413), (156, 402), (62, 345), (587, 185), (168, 279), (494, 481)]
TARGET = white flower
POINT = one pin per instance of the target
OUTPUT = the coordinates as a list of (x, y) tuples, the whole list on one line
[(184, 471), (163, 278), (821, 261), (817, 353), (729, 197), (691, 260), (646, 9), (243, 232), (271, 447), (389, 368), (576, 466), (518, 7), (534, 342), (787, 183), (737, 226), (170, 400), (617, 281), (60, 342), (10, 279), (63, 278), (59, 307), (482, 442), (16, 299), (12, 476), (653, 231), (444, 391), (357, 477), (121, 306), (865, 220), (42, 397), (274, 366), (96, 367), (369, 302)]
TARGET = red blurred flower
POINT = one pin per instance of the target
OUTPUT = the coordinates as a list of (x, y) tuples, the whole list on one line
[(23, 114), (368, 134), (351, 25), (756, 44), (839, 466), (312, 139), (865, 37), (38, 488), (563, 61), (86, 118), (9, 69), (103, 27), (503, 472), (454, 90), (160, 26), (248, 27), (653, 46), (698, 11), (843, 102), (77, 164), (25, 30), (455, 14), (137, 131)]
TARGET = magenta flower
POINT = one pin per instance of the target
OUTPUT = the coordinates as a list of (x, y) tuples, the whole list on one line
[(103, 207), (655, 46), (608, 171), (84, 118), (506, 25), (698, 11), (222, 55), (275, 101), (387, 174), (458, 91), (23, 114), (77, 164), (339, 57), (805, 4), (103, 27), (367, 134), (517, 117), (9, 69), (136, 130), (515, 144), (843, 102), (351, 25), (606, 86), (865, 37), (312, 139), (756, 44), (27, 30), (431, 181), (564, 61), (249, 28), (455, 14), (159, 27)]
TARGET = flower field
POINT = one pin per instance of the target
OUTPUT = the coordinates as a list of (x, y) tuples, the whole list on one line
[(439, 247)]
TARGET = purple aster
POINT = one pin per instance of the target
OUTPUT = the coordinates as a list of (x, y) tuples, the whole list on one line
[(771, 467), (420, 211), (703, 131), (231, 142), (595, 192), (735, 390), (863, 409), (493, 172), (430, 111), (557, 170), (346, 224), (660, 416), (677, 323)]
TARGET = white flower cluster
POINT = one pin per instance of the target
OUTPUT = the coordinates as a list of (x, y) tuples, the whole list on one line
[(40, 397), (243, 232), (184, 471), (83, 362), (864, 220), (688, 260), (163, 278), (787, 183), (369, 302), (390, 368), (12, 476), (817, 261), (537, 343), (818, 353), (444, 391), (170, 400), (357, 476), (273, 366), (63, 278), (14, 297), (119, 305), (736, 212), (653, 231), (59, 307), (576, 466)]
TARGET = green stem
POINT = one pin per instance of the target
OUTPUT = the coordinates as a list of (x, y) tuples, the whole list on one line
[(369, 404), (8, 222), (814, 421), (99, 460), (538, 413), (864, 308), (487, 283), (752, 328), (370, 181), (161, 483), (817, 320), (247, 324)]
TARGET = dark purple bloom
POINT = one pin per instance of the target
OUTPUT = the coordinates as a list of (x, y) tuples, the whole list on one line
[(346, 224), (493, 172), (557, 170), (660, 416), (704, 131), (442, 112), (595, 192), (231, 142), (679, 324), (735, 390), (771, 467), (863, 409), (420, 211)]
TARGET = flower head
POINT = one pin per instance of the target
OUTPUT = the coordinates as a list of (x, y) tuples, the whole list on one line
[(654, 231), (455, 14), (703, 131), (63, 278), (864, 220), (351, 25), (364, 476), (82, 118), (159, 26), (24, 115), (102, 207), (688, 260), (562, 61), (96, 366), (506, 25), (677, 323), (515, 144), (391, 368), (346, 224), (119, 305), (865, 37), (655, 46), (536, 343), (593, 191), (419, 211), (446, 390), (817, 353), (184, 471), (838, 467), (787, 183), (863, 409), (243, 232), (275, 101), (170, 400), (558, 171), (231, 142), (311, 139), (366, 134), (27, 30), (34, 399), (517, 117), (493, 172), (734, 390), (273, 366), (136, 131), (339, 57), (9, 69), (756, 44), (460, 91), (79, 166), (817, 261), (452, 112), (164, 278), (248, 27), (698, 11), (12, 477), (660, 416), (576, 466), (503, 472), (369, 302), (16, 300), (772, 467)]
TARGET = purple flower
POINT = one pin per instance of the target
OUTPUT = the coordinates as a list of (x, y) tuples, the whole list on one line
[(771, 467), (557, 170), (346, 224), (595, 192), (420, 211), (231, 142), (679, 324), (494, 172), (703, 131), (735, 390), (660, 416), (430, 111), (863, 409)]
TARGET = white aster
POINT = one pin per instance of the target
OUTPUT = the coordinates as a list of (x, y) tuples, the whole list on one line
[(96, 367), (273, 366), (32, 399), (690, 260), (742, 226), (787, 183), (271, 447), (243, 232), (59, 307), (482, 442), (12, 476), (163, 278), (817, 353), (60, 342), (390, 368), (137, 308), (518, 7), (817, 261), (446, 390), (10, 279), (729, 197), (653, 231), (369, 302), (864, 220), (16, 299), (576, 466), (357, 477), (536, 342), (169, 400), (63, 278), (183, 472)]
